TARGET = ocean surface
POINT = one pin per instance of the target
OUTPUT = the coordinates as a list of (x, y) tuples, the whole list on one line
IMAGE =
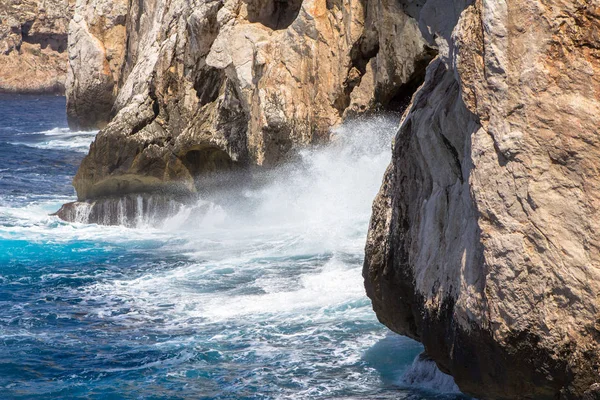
[(257, 295)]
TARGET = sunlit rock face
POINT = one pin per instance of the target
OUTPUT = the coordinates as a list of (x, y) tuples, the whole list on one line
[(97, 42), (483, 243), (33, 45), (185, 87)]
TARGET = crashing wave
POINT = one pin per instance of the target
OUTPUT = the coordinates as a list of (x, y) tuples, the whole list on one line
[(424, 374)]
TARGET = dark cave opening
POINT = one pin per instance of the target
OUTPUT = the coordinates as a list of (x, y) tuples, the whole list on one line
[(56, 41), (214, 171), (206, 161), (361, 53), (274, 14), (210, 166)]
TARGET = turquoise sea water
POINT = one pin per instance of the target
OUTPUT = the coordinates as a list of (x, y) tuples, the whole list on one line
[(258, 295)]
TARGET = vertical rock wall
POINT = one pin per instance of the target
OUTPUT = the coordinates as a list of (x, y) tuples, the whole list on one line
[(484, 238), (97, 41)]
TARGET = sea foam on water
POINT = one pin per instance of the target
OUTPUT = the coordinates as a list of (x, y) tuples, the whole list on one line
[(245, 291)]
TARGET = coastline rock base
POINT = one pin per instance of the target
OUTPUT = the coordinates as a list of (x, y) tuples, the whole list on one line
[(130, 211)]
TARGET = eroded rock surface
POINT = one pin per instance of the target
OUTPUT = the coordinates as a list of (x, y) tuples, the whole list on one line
[(33, 45), (193, 87), (97, 42), (484, 239)]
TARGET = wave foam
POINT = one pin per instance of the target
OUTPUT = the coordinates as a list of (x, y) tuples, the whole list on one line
[(60, 139), (267, 278), (424, 374)]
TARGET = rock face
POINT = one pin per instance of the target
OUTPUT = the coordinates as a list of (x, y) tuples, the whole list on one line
[(97, 42), (33, 45), (184, 89), (484, 243)]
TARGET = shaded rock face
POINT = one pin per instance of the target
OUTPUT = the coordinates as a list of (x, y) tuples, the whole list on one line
[(183, 87), (483, 243), (33, 45)]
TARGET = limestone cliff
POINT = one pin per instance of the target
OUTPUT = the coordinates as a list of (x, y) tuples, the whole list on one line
[(186, 88), (33, 45), (484, 243)]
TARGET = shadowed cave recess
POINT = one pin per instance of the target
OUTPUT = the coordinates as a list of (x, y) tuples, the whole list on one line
[(57, 42), (274, 14)]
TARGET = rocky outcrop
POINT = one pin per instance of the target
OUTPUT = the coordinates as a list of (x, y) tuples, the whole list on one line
[(97, 42), (191, 88), (483, 243), (33, 45)]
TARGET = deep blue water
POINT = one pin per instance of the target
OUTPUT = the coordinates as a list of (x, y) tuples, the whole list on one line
[(221, 305)]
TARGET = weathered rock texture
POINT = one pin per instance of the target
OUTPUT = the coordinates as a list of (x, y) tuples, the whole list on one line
[(189, 88), (97, 43), (484, 239), (33, 45)]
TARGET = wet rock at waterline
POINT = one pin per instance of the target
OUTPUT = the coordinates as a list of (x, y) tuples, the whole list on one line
[(153, 208), (129, 210), (483, 243)]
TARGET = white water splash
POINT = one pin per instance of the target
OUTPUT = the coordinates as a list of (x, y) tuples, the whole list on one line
[(325, 197), (315, 209), (61, 139), (424, 374)]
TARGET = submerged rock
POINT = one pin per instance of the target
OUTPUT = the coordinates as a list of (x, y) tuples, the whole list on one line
[(483, 243), (33, 45)]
